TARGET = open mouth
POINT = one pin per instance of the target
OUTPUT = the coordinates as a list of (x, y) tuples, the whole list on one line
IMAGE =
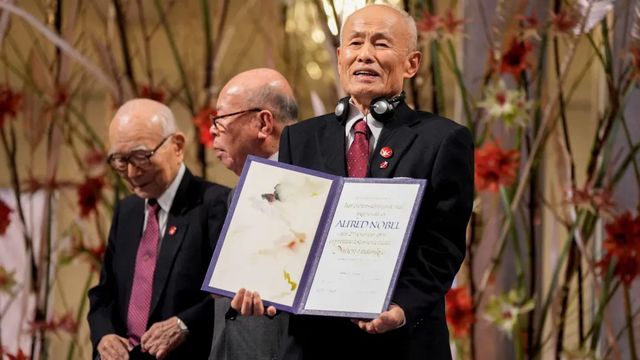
[(365, 73)]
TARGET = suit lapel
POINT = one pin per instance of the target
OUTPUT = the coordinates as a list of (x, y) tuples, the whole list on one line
[(131, 233), (397, 135), (174, 234), (331, 146)]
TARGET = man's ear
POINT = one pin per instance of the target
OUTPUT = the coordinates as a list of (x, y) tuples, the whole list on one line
[(267, 123), (412, 64), (178, 139)]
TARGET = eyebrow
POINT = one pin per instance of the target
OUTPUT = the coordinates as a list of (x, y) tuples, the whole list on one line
[(375, 35)]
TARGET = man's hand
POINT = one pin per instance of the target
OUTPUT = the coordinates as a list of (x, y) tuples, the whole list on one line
[(162, 337), (114, 347), (249, 303), (387, 321)]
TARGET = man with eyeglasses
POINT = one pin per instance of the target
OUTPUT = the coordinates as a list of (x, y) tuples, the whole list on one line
[(148, 303), (253, 108)]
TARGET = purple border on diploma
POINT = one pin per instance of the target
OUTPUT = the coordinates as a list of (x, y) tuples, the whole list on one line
[(236, 193), (320, 238), (422, 184)]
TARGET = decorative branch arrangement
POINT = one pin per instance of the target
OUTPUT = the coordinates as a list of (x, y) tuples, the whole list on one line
[(518, 111)]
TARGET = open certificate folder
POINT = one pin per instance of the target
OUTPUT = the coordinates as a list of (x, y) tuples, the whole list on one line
[(314, 243)]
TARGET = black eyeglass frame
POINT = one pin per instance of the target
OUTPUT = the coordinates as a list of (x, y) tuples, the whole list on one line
[(219, 127), (138, 158)]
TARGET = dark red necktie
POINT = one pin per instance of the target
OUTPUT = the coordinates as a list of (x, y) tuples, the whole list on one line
[(358, 153), (140, 301)]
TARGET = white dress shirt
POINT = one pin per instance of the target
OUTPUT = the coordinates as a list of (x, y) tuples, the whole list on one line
[(165, 201), (374, 125)]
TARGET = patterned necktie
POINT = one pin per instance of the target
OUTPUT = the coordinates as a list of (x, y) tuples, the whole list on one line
[(140, 301), (358, 153)]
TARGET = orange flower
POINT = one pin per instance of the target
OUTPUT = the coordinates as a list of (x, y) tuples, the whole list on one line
[(89, 195), (10, 103), (201, 120), (495, 167), (514, 60), (459, 311), (146, 91), (5, 217), (623, 245)]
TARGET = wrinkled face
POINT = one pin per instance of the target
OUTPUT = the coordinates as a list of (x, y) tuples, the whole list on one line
[(235, 137), (130, 133), (374, 57)]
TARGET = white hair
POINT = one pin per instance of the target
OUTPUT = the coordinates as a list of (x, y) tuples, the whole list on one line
[(408, 19), (161, 114)]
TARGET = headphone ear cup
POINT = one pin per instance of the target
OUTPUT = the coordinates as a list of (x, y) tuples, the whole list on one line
[(342, 109), (381, 109)]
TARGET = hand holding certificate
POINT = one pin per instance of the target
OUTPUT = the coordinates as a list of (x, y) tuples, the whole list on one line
[(313, 243)]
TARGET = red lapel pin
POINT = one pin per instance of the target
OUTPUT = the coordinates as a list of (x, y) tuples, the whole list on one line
[(384, 165), (386, 152), (172, 230)]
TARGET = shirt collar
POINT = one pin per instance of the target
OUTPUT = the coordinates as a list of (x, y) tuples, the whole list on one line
[(375, 126), (274, 156), (166, 199)]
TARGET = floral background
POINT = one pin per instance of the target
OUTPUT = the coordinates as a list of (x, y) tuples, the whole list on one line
[(547, 87)]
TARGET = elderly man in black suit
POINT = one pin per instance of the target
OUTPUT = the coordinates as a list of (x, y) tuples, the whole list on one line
[(377, 52), (253, 108), (148, 302)]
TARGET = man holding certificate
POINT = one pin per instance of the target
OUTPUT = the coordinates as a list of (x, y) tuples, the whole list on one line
[(373, 133)]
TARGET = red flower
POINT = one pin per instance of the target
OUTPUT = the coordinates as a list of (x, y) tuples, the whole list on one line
[(96, 163), (60, 97), (89, 195), (146, 91), (529, 25), (5, 217), (10, 103), (514, 61), (451, 24), (66, 322), (593, 199), (96, 254), (623, 245), (565, 21), (20, 355), (459, 311), (429, 25), (201, 120), (495, 167)]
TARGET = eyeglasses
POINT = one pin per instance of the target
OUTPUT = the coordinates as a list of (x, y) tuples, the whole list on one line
[(137, 158), (215, 120)]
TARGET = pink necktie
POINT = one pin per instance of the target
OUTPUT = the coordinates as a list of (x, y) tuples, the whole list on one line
[(140, 301), (358, 153)]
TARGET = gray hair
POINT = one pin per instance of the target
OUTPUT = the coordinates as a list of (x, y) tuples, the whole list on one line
[(408, 19), (163, 115), (283, 106)]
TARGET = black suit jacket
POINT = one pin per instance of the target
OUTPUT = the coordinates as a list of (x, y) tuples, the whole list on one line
[(197, 213), (425, 146)]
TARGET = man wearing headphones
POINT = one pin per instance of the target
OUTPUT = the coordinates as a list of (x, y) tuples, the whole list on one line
[(375, 134)]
